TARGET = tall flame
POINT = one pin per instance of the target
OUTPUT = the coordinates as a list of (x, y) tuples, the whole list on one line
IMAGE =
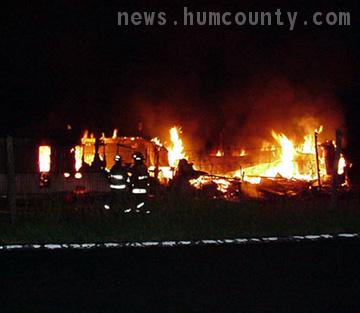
[(176, 149), (78, 157), (44, 159), (341, 165), (286, 168), (308, 146)]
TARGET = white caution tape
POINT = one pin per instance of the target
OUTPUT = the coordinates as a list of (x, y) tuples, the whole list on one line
[(312, 237), (268, 240), (139, 191), (140, 205), (117, 186), (53, 246), (119, 177), (348, 235)]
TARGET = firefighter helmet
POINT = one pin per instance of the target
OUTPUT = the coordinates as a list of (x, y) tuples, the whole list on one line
[(117, 158), (137, 156)]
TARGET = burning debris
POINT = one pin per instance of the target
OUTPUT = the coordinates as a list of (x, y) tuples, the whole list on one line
[(294, 167), (284, 166)]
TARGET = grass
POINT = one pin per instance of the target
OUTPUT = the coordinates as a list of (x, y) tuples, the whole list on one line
[(53, 220)]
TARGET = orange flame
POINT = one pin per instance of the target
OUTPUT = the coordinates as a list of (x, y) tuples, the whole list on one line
[(157, 141), (239, 153), (268, 146), (221, 183), (219, 153)]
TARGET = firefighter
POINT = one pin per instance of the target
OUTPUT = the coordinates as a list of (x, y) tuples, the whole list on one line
[(119, 185), (139, 181)]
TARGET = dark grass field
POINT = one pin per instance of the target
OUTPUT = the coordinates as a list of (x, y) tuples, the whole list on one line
[(85, 220), (321, 276), (318, 276)]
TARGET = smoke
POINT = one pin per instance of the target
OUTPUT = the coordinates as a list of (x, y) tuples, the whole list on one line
[(180, 104), (232, 89), (239, 116), (279, 105)]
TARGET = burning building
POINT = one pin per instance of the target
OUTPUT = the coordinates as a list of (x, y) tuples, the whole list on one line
[(303, 164), (91, 150), (284, 163)]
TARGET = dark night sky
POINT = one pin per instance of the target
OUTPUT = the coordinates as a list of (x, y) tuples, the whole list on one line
[(69, 62)]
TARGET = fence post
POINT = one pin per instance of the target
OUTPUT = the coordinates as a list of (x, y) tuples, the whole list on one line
[(11, 182), (336, 162), (317, 160)]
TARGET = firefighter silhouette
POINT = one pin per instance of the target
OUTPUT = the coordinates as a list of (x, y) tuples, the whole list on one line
[(119, 186), (139, 184), (184, 173)]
